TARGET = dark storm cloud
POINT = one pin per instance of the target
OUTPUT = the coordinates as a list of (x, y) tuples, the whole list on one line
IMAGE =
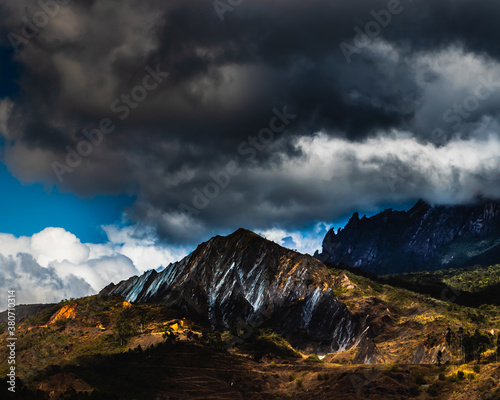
[(41, 135), (226, 78)]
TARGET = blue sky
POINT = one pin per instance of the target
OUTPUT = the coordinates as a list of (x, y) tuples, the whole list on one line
[(317, 134), (28, 209)]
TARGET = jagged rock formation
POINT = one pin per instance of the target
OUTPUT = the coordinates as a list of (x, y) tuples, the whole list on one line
[(424, 238), (243, 277)]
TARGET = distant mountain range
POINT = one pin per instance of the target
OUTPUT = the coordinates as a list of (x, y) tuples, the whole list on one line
[(246, 279), (424, 238)]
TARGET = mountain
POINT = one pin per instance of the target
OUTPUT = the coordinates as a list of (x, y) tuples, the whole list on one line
[(24, 311), (246, 281), (244, 318), (101, 347), (424, 238)]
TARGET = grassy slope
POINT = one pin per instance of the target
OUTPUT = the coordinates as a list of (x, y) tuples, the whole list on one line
[(405, 319), (91, 351), (470, 286)]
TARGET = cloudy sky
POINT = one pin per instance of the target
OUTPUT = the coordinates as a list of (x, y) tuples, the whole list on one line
[(132, 130)]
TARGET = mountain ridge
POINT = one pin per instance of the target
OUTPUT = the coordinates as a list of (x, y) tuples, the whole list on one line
[(244, 277), (425, 237)]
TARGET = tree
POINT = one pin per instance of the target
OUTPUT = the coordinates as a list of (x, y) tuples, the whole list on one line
[(481, 344), (460, 337), (449, 334), (124, 330), (497, 347), (439, 357)]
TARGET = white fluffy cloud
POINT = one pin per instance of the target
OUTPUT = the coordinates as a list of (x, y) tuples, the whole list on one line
[(54, 264), (396, 168), (56, 245)]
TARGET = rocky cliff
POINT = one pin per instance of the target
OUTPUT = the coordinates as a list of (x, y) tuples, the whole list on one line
[(245, 278), (424, 238)]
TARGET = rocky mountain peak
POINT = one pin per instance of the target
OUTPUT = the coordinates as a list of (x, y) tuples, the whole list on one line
[(244, 277), (426, 237)]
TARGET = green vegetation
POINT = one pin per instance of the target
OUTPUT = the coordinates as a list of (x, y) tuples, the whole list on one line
[(98, 326), (313, 358), (433, 391), (43, 316), (105, 340), (467, 328), (266, 343), (468, 286), (414, 391), (322, 377)]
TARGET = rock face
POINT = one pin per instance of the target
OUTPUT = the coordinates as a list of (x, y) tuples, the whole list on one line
[(424, 238), (429, 355), (368, 353), (243, 277)]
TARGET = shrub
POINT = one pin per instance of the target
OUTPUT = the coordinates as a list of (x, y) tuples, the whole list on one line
[(460, 375), (432, 391), (420, 380), (471, 376), (442, 377), (414, 391), (476, 369), (299, 383), (343, 374), (313, 358), (291, 377), (61, 323), (264, 343)]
